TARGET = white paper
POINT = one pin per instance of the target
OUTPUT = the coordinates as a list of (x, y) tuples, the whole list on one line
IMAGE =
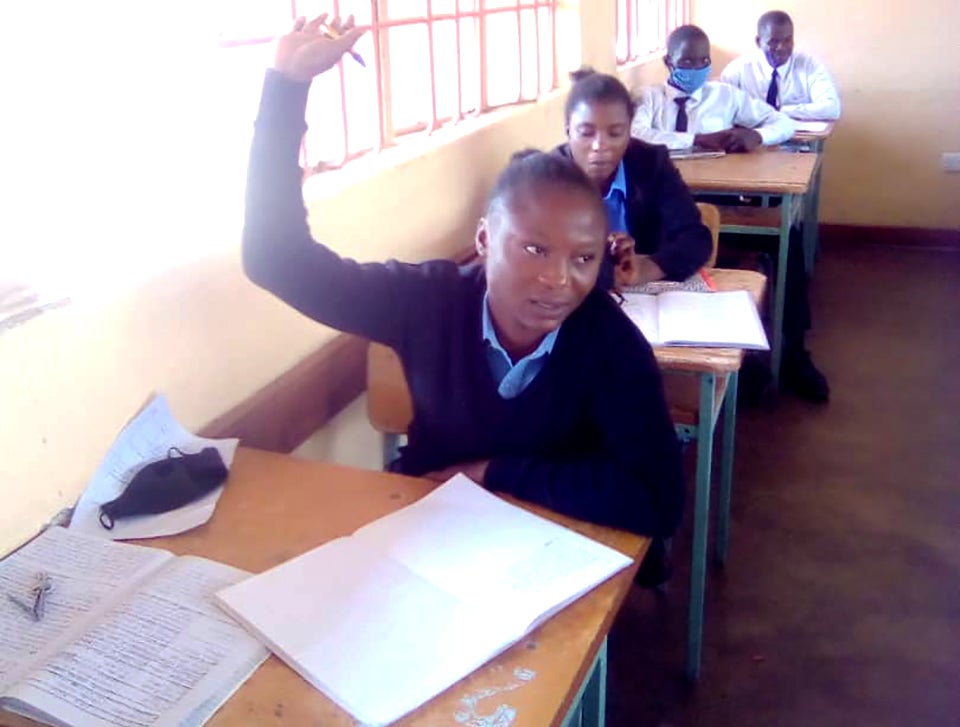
[(680, 318), (483, 549), (715, 319), (641, 308), (373, 636), (387, 618), (812, 127), (147, 438), (156, 658)]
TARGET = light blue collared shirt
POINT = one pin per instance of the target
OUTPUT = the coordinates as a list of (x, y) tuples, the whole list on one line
[(513, 378), (616, 201)]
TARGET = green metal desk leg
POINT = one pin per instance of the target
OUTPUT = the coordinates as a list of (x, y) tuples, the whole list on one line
[(589, 708), (701, 522), (726, 467), (811, 222), (786, 220)]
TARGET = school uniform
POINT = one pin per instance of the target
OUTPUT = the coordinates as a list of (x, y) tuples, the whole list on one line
[(712, 107), (580, 426), (802, 88), (649, 201)]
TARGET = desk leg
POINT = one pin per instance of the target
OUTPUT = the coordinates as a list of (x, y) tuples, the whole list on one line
[(726, 467), (811, 222), (701, 521), (786, 221), (589, 708)]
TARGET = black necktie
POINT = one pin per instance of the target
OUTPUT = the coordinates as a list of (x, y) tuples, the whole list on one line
[(681, 103), (773, 93)]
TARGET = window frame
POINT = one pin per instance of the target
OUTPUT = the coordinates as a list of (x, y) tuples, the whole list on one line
[(675, 13), (388, 135)]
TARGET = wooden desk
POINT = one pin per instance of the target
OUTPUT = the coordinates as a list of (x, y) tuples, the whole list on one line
[(695, 411), (276, 507), (764, 172)]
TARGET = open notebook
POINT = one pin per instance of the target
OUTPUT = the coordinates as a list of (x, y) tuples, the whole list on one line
[(130, 636), (385, 619), (682, 318)]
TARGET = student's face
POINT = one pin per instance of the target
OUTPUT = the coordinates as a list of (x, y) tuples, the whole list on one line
[(542, 250), (599, 132), (691, 53), (776, 42)]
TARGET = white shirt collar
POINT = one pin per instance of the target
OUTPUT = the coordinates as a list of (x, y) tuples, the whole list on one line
[(673, 92), (781, 70)]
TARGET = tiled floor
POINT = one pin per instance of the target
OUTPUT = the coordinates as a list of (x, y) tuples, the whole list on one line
[(840, 603)]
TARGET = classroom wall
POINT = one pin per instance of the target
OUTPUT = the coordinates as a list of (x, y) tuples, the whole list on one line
[(897, 65), (208, 339)]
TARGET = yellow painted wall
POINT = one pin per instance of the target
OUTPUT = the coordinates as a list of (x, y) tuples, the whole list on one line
[(897, 65), (205, 336)]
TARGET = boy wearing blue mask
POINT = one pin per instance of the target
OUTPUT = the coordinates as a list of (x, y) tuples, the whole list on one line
[(691, 111), (791, 81)]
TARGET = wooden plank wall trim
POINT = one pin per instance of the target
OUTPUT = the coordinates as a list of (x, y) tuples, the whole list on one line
[(284, 413)]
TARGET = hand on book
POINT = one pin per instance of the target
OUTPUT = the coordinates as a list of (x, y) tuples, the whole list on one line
[(631, 269), (314, 47), (476, 471)]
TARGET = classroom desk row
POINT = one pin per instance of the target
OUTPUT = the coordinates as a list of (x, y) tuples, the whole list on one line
[(792, 177)]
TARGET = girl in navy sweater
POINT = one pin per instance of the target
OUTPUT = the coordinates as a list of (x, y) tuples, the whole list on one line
[(523, 375)]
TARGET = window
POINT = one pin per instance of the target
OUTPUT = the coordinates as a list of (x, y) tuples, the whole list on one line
[(643, 26), (429, 63)]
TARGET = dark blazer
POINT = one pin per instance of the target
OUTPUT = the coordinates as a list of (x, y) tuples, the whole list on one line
[(661, 215)]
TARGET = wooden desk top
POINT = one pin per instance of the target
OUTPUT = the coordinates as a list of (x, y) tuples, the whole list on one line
[(276, 507), (764, 171), (716, 360)]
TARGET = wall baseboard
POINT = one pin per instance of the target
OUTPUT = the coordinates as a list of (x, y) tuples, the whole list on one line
[(833, 234)]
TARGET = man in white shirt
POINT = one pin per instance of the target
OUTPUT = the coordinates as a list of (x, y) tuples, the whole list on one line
[(796, 83), (690, 111)]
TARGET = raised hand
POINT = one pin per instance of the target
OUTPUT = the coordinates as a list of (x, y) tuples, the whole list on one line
[(310, 49)]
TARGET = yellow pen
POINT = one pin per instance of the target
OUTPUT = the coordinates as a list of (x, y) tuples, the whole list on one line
[(331, 33)]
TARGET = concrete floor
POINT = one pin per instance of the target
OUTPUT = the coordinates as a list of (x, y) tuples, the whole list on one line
[(840, 602)]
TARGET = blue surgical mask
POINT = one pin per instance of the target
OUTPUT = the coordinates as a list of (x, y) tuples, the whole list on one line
[(689, 80)]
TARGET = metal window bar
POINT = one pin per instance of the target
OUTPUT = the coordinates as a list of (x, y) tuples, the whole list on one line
[(670, 14), (381, 23)]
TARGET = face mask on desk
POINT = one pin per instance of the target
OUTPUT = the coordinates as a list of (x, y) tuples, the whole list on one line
[(689, 80), (167, 484)]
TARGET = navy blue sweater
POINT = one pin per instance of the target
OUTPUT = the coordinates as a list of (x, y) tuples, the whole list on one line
[(590, 437)]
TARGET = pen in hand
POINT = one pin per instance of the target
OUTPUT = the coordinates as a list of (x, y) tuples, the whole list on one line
[(332, 33)]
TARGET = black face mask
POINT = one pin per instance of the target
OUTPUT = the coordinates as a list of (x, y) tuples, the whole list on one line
[(167, 484)]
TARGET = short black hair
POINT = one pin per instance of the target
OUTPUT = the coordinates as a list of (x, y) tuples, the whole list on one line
[(772, 18), (531, 168), (588, 85), (683, 33)]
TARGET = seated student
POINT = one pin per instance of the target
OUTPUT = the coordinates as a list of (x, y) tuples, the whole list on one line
[(651, 214), (796, 83), (691, 111), (523, 375)]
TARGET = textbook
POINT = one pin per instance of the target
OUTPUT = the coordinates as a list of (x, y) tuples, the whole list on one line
[(127, 636), (695, 152), (387, 618), (681, 318)]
